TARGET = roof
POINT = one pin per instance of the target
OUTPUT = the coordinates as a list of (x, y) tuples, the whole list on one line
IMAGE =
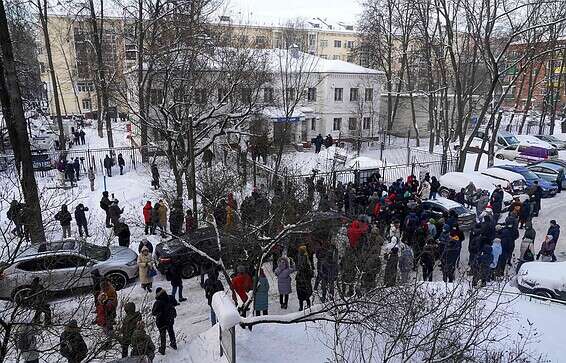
[(445, 202)]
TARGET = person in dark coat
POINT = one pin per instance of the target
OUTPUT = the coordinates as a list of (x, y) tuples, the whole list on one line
[(71, 343), (64, 218), (154, 218), (129, 324), (145, 243), (535, 193), (173, 275), (105, 204), (390, 273), (328, 141), (190, 222), (554, 231), (428, 258), (497, 202), (154, 176), (121, 163), (80, 218), (525, 214), (164, 311), (475, 245), (318, 141), (77, 167), (82, 137), (108, 165), (70, 173), (508, 235), (434, 187), (329, 272), (142, 345), (115, 212), (482, 269), (122, 230), (176, 218), (211, 286), (304, 278), (450, 257), (15, 215)]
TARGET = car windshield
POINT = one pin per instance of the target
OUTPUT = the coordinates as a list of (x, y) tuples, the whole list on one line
[(99, 253), (511, 140), (529, 175), (460, 210)]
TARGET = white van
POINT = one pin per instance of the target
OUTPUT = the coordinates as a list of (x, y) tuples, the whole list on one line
[(513, 183)]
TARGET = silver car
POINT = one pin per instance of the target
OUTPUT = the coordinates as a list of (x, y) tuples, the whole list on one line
[(66, 265)]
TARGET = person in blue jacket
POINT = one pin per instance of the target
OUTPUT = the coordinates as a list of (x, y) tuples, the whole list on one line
[(261, 298)]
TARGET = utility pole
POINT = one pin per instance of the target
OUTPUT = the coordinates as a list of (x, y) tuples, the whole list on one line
[(193, 172)]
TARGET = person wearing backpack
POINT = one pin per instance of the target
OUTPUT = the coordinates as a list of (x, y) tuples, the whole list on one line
[(164, 311), (211, 286), (26, 342), (72, 345)]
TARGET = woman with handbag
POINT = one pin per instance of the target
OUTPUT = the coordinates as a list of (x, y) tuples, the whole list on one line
[(146, 269)]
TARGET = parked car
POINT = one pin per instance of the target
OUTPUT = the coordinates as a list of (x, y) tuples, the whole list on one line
[(546, 279), (553, 140), (548, 189), (551, 172), (441, 207), (458, 180), (534, 141), (66, 265), (504, 139), (536, 153), (510, 152), (511, 182)]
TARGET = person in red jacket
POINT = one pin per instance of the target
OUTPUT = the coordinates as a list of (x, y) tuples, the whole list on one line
[(147, 216), (355, 231), (242, 283)]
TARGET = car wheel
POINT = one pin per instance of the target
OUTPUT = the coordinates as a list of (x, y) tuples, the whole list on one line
[(21, 294), (444, 192), (544, 293), (118, 279), (500, 157), (189, 271)]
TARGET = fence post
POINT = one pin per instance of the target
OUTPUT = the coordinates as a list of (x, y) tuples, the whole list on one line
[(408, 147), (88, 158)]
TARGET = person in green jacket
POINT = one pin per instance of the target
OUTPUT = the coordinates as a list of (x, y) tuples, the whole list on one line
[(141, 343), (129, 325)]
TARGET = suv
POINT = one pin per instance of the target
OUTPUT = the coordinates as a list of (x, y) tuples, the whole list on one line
[(66, 265)]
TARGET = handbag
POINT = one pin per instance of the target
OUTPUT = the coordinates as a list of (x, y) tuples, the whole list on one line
[(151, 272)]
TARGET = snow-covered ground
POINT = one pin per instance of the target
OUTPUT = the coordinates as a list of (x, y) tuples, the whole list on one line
[(270, 342)]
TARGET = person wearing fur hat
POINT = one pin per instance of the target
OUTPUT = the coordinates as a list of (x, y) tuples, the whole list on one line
[(145, 266)]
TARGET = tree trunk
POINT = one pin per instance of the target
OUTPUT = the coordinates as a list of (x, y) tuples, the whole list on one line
[(13, 111), (44, 27), (141, 87)]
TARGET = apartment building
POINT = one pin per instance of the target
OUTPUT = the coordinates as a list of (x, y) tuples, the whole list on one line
[(74, 64), (333, 97)]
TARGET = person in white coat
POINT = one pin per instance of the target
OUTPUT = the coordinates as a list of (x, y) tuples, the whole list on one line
[(145, 268)]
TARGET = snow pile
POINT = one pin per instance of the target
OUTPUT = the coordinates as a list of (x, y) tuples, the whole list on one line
[(226, 311)]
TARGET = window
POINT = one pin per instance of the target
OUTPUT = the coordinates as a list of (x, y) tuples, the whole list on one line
[(336, 57), (311, 95), (131, 51), (221, 94), (246, 95), (353, 94), (37, 264), (352, 124), (323, 56), (268, 95), (337, 124), (260, 41), (338, 94), (86, 104), (323, 43), (367, 123), (368, 96), (313, 124), (350, 44), (200, 96), (155, 96), (337, 44), (290, 93), (312, 40), (85, 86), (63, 262)]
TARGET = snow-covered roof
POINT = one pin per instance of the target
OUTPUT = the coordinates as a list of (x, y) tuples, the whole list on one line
[(363, 163), (445, 202)]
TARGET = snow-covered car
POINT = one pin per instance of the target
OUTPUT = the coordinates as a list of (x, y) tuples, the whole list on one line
[(458, 180), (547, 279), (441, 207), (66, 265), (511, 152), (551, 172), (503, 140), (511, 182), (534, 141), (553, 140)]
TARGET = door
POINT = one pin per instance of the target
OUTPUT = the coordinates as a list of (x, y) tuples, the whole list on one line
[(304, 131), (70, 271)]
